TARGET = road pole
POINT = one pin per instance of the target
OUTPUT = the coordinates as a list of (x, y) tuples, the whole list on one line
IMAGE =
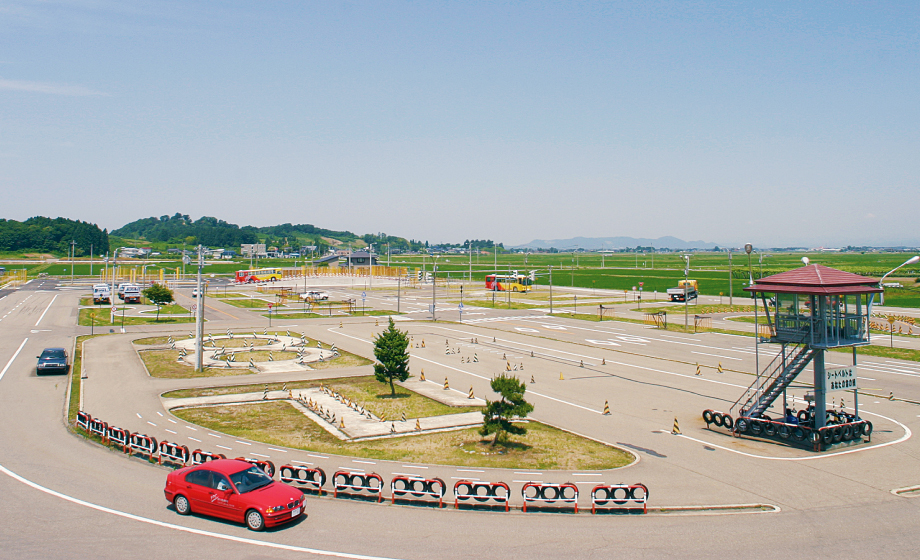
[(686, 299), (199, 315), (434, 282), (551, 289), (731, 300)]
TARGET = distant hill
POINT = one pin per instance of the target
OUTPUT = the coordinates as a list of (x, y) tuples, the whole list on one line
[(598, 243), (213, 232), (53, 236)]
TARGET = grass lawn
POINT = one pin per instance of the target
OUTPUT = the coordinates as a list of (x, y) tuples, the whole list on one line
[(279, 423), (357, 313), (883, 352), (102, 319), (163, 364), (220, 295), (251, 303), (702, 309), (262, 356)]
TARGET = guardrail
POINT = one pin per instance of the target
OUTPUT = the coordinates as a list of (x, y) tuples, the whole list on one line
[(418, 487), (119, 437), (267, 466), (310, 476), (353, 481), (174, 452), (481, 492), (620, 495), (550, 493), (199, 457)]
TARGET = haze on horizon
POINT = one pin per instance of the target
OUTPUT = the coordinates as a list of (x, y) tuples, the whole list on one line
[(782, 124)]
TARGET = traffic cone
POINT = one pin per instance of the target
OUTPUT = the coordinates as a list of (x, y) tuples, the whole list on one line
[(271, 357), (504, 357), (403, 417), (531, 353), (376, 322), (603, 362), (418, 425), (475, 357), (265, 330), (606, 409), (720, 370), (891, 396), (532, 380), (342, 423), (422, 377), (423, 343), (676, 429), (507, 366), (341, 325), (446, 384), (471, 392), (392, 428), (698, 372), (560, 377)]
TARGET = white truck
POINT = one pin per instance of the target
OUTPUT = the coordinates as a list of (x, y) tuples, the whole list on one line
[(314, 295), (102, 293), (131, 293), (685, 291)]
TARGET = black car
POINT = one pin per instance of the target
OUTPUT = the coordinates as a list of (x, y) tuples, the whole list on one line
[(52, 360)]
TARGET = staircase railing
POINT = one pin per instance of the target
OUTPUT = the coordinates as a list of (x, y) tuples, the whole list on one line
[(784, 367)]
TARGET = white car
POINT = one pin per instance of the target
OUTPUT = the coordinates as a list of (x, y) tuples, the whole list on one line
[(314, 295), (194, 292)]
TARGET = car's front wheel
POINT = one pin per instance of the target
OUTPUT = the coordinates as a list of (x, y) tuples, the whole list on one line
[(182, 505), (254, 520)]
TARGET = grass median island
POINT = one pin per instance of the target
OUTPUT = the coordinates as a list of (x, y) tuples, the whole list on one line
[(102, 316), (543, 447), (164, 364), (701, 309), (251, 303)]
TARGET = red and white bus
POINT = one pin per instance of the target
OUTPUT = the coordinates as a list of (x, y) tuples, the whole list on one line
[(509, 282), (258, 275)]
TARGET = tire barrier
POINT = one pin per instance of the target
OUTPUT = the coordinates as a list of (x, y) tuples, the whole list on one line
[(267, 466), (143, 444), (173, 452), (548, 493), (119, 437), (620, 495), (357, 482), (417, 487), (83, 420), (481, 492), (720, 419), (199, 457), (309, 476), (842, 427)]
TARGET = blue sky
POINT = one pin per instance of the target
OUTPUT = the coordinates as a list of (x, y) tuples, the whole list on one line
[(778, 123)]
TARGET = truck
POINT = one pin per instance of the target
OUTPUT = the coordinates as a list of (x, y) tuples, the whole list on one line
[(685, 290), (131, 293), (102, 293)]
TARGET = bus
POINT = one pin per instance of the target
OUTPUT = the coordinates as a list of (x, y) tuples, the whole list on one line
[(258, 275), (509, 282)]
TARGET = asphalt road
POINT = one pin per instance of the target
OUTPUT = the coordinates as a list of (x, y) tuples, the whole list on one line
[(65, 497)]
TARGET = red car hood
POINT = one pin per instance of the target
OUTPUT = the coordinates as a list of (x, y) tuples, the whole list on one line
[(275, 494)]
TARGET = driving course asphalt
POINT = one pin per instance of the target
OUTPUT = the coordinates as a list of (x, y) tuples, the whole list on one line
[(67, 497)]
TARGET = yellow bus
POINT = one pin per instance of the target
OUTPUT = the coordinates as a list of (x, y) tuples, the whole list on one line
[(258, 275)]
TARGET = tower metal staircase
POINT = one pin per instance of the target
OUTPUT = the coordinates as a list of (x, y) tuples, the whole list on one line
[(768, 387)]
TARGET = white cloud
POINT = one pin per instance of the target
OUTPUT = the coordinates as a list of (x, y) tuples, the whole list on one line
[(44, 87)]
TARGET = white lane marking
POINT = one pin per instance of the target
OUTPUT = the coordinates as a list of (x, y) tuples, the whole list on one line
[(413, 467), (171, 420), (317, 456), (865, 378), (170, 431), (193, 439), (526, 481), (242, 540), (714, 355), (16, 353), (529, 473), (905, 437), (151, 423), (351, 469), (139, 415), (301, 463), (586, 474), (519, 344), (243, 442), (160, 413), (191, 428), (465, 478), (46, 310), (214, 435), (259, 455), (469, 470), (224, 447), (363, 462), (278, 450)]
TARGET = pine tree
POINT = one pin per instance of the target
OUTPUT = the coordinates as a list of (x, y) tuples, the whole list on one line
[(393, 359), (497, 415)]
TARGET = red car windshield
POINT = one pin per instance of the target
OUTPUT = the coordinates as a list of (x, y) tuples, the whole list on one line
[(250, 479)]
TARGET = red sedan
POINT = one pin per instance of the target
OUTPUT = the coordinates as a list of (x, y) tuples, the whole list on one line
[(234, 490)]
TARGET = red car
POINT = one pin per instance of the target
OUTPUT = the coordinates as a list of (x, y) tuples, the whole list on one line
[(234, 490)]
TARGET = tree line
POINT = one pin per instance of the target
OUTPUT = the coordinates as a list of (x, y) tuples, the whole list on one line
[(49, 235)]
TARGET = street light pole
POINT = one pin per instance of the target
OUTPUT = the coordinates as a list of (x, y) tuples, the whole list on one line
[(551, 289), (199, 315), (909, 261), (730, 299), (686, 299), (434, 282)]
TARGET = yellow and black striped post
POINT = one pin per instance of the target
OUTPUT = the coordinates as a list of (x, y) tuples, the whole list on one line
[(403, 416), (251, 364), (698, 372), (471, 392), (603, 361), (341, 423), (507, 366), (532, 380), (446, 384), (422, 378), (676, 429), (606, 408), (720, 368), (423, 343), (418, 425)]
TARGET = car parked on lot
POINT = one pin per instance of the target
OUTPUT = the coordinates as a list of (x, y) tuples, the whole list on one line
[(314, 295), (52, 360), (234, 490)]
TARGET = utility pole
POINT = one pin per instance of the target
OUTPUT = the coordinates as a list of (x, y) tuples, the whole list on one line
[(90, 260), (199, 316), (550, 289), (686, 285), (434, 282), (730, 300), (73, 251)]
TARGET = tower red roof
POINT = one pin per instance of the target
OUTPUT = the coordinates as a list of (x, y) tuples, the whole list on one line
[(816, 279)]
